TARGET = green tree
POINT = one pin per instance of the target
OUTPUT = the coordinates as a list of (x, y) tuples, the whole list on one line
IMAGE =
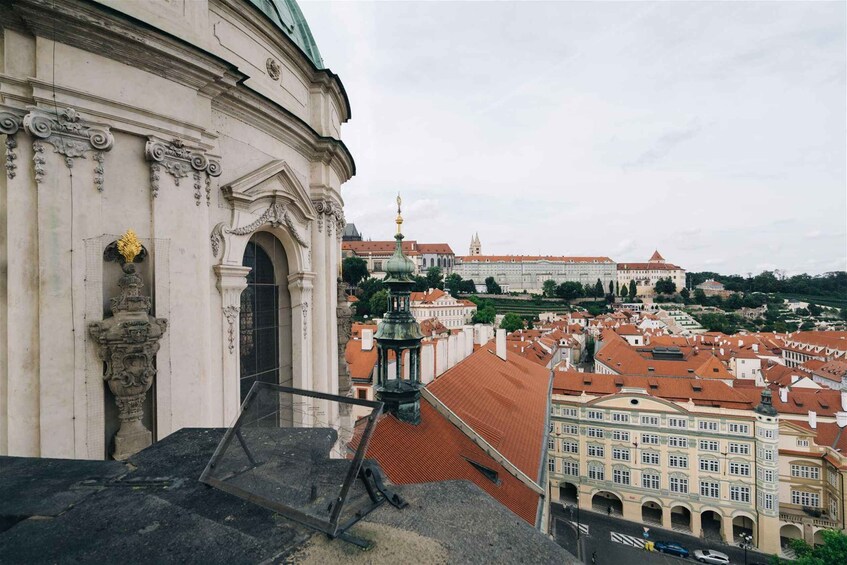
[(665, 286), (815, 310), (833, 550), (733, 302), (378, 304), (453, 282), (569, 290), (354, 270), (468, 286), (367, 288), (491, 286), (633, 289), (485, 314), (598, 288), (624, 291), (549, 288), (589, 349), (511, 322), (685, 293), (435, 278), (700, 297), (612, 288), (420, 284)]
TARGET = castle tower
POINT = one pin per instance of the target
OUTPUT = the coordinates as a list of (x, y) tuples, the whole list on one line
[(476, 246), (399, 333), (766, 531)]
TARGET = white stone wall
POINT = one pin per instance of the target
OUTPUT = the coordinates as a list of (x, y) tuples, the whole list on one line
[(276, 171), (530, 275)]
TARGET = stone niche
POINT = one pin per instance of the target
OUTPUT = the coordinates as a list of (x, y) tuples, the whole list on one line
[(128, 342)]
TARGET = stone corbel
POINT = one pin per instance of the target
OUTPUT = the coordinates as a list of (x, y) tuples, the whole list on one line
[(70, 136), (178, 160), (11, 120)]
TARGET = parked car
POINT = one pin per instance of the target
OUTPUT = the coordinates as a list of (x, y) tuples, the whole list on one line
[(670, 547), (711, 556)]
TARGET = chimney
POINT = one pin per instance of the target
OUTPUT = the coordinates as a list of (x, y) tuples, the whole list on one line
[(740, 343), (755, 348), (501, 344), (841, 419), (813, 419), (844, 400), (367, 340), (783, 395), (721, 351)]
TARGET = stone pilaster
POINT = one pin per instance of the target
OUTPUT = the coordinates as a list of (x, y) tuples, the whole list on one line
[(231, 281)]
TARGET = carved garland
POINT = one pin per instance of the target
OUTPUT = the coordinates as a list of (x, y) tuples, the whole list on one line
[(179, 160), (276, 215), (231, 313), (70, 136), (10, 123)]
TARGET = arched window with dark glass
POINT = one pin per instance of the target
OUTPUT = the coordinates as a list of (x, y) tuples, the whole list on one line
[(259, 323)]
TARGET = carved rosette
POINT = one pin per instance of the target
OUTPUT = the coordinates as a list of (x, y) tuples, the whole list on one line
[(10, 124), (70, 137), (179, 160), (334, 216), (277, 215), (128, 343)]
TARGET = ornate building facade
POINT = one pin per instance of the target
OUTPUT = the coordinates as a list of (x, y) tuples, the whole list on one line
[(212, 129)]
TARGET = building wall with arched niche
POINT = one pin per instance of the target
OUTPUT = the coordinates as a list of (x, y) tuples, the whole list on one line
[(199, 125)]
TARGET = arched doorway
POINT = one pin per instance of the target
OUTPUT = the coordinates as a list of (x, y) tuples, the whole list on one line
[(743, 526), (265, 316), (567, 493), (789, 532), (607, 502), (681, 519), (651, 513), (818, 538), (710, 523)]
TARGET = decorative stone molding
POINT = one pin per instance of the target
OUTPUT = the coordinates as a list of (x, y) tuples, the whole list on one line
[(344, 315), (69, 135), (334, 213), (276, 215), (273, 68), (232, 280), (10, 124), (178, 160), (128, 343)]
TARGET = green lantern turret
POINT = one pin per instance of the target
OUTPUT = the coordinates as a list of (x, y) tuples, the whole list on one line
[(400, 334)]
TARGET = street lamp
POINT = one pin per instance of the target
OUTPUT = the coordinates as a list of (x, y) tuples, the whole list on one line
[(746, 543)]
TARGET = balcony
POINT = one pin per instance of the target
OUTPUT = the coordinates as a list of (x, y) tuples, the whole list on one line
[(813, 516)]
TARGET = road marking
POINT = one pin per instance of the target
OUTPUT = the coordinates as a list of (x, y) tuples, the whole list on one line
[(582, 527), (627, 540)]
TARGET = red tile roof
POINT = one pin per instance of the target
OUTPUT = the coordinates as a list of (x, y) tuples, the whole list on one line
[(701, 391), (435, 249), (361, 363), (436, 450), (528, 258), (503, 401), (657, 256)]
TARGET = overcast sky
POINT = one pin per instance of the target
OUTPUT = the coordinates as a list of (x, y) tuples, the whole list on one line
[(713, 131)]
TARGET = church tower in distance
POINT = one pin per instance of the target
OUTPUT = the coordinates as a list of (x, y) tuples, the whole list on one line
[(476, 246)]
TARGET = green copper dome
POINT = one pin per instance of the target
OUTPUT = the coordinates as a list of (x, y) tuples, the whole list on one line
[(287, 16)]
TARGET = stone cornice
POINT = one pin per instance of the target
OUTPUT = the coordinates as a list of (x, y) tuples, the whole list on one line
[(235, 10), (280, 123), (102, 30)]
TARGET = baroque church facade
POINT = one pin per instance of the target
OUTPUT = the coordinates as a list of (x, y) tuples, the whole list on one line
[(210, 128)]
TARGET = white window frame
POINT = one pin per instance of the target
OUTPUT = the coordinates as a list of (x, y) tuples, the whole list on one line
[(710, 489), (678, 485), (650, 439), (677, 461), (709, 445)]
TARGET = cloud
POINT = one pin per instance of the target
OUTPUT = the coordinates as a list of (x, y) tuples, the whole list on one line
[(666, 143)]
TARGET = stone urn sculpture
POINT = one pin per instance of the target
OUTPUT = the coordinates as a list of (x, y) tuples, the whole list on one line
[(128, 344)]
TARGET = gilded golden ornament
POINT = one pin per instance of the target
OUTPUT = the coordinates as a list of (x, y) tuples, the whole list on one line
[(129, 246)]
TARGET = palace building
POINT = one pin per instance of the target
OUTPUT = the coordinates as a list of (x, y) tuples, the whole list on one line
[(212, 130), (646, 275)]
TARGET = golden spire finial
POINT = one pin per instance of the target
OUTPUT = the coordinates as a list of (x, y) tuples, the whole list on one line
[(399, 220), (129, 246)]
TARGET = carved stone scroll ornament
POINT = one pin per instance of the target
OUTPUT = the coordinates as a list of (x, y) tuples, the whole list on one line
[(277, 215), (70, 136), (333, 212), (128, 343), (179, 160), (231, 313), (10, 123)]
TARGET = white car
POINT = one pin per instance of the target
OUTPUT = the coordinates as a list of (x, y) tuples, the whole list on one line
[(711, 556)]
